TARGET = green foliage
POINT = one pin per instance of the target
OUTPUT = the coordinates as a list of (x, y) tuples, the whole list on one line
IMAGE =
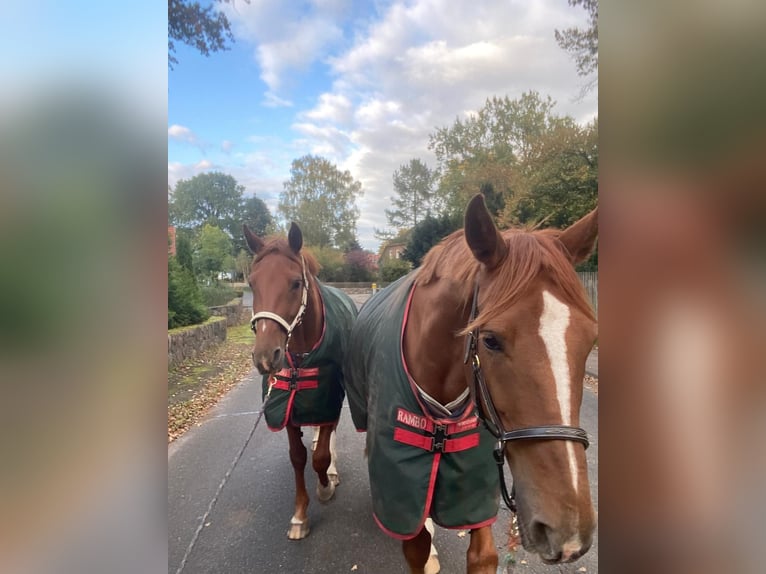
[(185, 305), (413, 185), (427, 234), (489, 149), (214, 198), (322, 199), (562, 183), (582, 45), (217, 199), (331, 262), (243, 262), (256, 215), (215, 295), (190, 23), (212, 252), (392, 269), (533, 166), (184, 254)]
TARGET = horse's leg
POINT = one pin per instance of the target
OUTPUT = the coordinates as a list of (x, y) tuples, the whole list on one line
[(321, 463), (299, 524), (482, 554), (332, 470), (420, 553)]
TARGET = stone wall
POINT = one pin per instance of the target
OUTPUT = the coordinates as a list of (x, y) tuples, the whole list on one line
[(235, 313), (186, 342)]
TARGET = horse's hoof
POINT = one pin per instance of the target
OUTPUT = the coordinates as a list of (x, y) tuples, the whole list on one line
[(325, 493), (299, 529), (334, 478), (432, 566)]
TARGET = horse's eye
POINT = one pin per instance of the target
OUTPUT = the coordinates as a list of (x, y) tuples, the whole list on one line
[(296, 284), (491, 343)]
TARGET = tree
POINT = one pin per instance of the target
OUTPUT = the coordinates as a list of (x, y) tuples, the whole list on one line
[(358, 266), (185, 306), (256, 215), (413, 185), (184, 252), (392, 269), (213, 249), (243, 262), (322, 199), (582, 45), (491, 151), (561, 184), (217, 199), (427, 234), (214, 198), (190, 23), (330, 262)]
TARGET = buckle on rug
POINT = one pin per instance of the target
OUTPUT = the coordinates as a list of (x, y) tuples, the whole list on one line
[(440, 435), (293, 383)]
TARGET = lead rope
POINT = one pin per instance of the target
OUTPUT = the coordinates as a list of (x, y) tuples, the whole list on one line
[(225, 478)]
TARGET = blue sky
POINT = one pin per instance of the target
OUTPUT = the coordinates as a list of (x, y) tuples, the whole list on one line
[(360, 83)]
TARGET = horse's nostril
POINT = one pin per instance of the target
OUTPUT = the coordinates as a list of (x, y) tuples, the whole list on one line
[(277, 356)]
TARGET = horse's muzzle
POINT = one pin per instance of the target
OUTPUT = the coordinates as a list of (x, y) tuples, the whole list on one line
[(268, 362)]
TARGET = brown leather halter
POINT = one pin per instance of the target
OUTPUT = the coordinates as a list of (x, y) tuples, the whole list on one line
[(491, 419)]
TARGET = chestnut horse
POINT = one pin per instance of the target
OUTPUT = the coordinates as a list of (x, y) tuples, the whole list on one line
[(494, 319), (301, 329)]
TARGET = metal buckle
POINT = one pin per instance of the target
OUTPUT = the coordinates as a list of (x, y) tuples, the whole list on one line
[(293, 384), (440, 435)]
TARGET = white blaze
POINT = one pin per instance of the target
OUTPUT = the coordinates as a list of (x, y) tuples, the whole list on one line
[(554, 322)]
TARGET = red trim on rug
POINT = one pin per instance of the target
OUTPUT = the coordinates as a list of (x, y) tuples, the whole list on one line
[(426, 510), (425, 423), (302, 372), (427, 443), (302, 385), (288, 410), (487, 522)]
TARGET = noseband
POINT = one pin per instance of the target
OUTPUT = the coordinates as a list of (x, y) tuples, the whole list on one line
[(491, 419), (289, 327)]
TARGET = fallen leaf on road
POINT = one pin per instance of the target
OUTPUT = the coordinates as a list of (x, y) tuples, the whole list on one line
[(461, 534), (354, 567), (582, 569), (523, 562)]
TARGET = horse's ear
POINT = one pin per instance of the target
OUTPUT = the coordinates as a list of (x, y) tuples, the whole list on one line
[(295, 238), (254, 242), (485, 241), (580, 237)]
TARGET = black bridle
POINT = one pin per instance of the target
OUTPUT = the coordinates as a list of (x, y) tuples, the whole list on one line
[(491, 419)]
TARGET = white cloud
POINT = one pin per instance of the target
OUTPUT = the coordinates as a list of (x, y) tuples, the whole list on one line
[(182, 134), (408, 69), (271, 100), (226, 146)]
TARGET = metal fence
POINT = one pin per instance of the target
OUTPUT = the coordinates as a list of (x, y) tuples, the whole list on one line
[(590, 282)]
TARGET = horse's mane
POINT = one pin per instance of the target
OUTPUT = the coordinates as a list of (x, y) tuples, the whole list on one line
[(529, 254), (280, 246)]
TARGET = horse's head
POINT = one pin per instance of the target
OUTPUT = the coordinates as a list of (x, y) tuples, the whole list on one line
[(535, 332), (279, 281)]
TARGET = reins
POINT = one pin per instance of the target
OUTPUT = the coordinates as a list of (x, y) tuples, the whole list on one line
[(491, 419)]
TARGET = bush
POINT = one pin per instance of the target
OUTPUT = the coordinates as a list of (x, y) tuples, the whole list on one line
[(392, 269), (185, 305), (220, 294)]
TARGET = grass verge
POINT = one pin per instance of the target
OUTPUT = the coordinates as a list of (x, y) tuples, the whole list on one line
[(197, 384)]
